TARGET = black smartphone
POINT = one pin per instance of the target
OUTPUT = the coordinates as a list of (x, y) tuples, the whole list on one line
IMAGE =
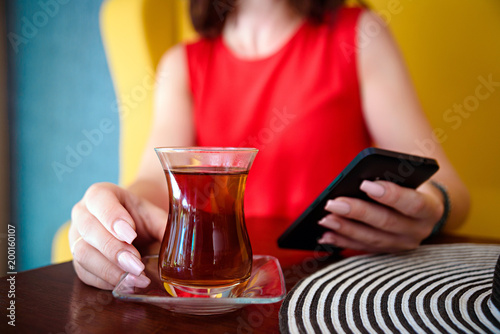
[(370, 164)]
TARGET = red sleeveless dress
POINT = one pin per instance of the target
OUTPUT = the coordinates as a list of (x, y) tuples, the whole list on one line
[(301, 107)]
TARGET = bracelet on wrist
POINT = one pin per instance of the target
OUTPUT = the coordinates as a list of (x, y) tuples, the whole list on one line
[(447, 208)]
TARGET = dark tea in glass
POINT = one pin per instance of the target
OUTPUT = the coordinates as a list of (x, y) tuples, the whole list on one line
[(205, 250)]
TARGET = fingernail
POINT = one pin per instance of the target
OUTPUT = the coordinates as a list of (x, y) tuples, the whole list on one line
[(142, 281), (325, 239), (124, 231), (322, 240), (330, 223), (130, 263), (339, 207), (333, 224), (372, 188)]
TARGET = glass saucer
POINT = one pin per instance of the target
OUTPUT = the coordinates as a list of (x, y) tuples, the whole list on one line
[(266, 285)]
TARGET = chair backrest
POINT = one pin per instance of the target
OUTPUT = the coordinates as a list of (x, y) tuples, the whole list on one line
[(135, 34)]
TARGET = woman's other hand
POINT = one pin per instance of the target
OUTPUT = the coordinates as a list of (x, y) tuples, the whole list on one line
[(400, 219)]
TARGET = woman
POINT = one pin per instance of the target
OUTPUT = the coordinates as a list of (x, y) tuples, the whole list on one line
[(291, 78)]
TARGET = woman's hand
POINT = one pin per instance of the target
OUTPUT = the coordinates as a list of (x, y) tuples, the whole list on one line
[(103, 226), (405, 218)]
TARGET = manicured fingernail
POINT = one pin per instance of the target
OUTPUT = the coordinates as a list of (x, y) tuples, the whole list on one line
[(338, 207), (372, 188), (330, 223), (124, 231), (322, 240), (142, 281), (325, 239), (130, 263)]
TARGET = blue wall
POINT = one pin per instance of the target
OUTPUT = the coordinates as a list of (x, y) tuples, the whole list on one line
[(64, 129)]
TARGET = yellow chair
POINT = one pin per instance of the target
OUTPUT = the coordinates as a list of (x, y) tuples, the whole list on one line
[(60, 245), (135, 34)]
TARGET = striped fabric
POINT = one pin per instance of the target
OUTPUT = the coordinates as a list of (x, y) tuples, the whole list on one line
[(434, 289)]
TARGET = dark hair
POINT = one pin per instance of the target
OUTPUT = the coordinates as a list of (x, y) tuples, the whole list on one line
[(209, 16)]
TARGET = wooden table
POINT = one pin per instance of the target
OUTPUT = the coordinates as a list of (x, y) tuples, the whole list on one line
[(53, 300)]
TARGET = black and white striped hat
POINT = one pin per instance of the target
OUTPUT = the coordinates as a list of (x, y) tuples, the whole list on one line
[(435, 289)]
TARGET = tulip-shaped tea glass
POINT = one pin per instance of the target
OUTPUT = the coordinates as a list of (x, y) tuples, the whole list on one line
[(206, 250)]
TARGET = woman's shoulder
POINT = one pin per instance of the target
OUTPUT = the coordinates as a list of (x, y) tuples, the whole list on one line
[(173, 56), (183, 51)]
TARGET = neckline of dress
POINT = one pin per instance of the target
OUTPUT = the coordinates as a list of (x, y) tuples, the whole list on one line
[(271, 55)]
